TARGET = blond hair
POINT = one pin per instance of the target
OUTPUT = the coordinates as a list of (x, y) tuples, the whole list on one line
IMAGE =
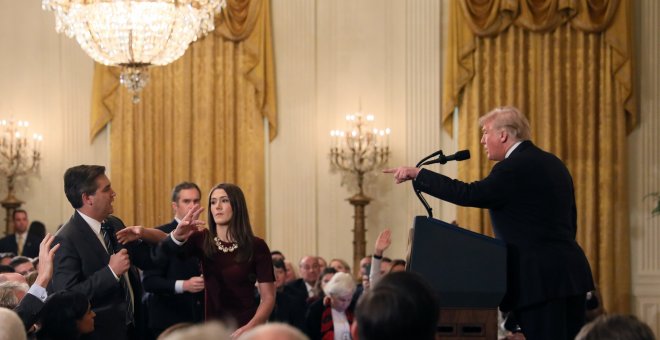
[(510, 119)]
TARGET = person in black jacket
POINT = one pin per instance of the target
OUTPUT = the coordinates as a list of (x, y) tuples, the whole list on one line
[(176, 288), (531, 200)]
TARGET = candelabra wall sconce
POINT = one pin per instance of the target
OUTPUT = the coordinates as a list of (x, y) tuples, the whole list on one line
[(355, 152), (19, 156)]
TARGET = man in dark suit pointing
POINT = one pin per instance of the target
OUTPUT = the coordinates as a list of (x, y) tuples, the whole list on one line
[(531, 200), (91, 261)]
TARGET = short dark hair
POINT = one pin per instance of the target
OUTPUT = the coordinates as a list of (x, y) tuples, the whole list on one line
[(60, 313), (80, 180), (279, 264), (400, 305), (16, 211), (18, 260), (183, 186)]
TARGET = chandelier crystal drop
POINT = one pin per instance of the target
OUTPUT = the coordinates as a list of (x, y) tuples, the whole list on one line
[(134, 34)]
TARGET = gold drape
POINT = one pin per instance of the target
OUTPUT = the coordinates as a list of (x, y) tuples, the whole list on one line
[(568, 65), (200, 118)]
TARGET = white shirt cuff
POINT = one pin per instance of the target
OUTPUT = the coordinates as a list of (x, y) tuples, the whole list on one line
[(178, 286), (39, 292), (113, 273), (177, 242)]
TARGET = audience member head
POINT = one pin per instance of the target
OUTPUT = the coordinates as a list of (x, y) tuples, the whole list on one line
[(210, 330), (385, 265), (340, 291), (22, 265), (185, 195), (21, 222), (616, 327), (11, 325), (37, 229), (6, 269), (400, 306), (175, 327), (11, 293), (291, 274), (398, 265), (273, 331), (13, 276), (233, 215), (31, 277), (280, 273), (340, 265), (309, 269), (66, 315), (5, 258), (325, 277), (365, 266), (322, 263), (277, 255)]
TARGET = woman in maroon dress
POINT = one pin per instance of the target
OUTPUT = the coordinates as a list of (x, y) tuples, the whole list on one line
[(232, 259)]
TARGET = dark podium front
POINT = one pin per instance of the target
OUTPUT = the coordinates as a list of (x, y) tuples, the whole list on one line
[(468, 272)]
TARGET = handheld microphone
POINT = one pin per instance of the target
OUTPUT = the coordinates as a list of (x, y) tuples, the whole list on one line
[(442, 159)]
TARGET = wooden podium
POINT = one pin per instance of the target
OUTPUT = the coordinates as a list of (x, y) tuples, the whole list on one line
[(468, 272)]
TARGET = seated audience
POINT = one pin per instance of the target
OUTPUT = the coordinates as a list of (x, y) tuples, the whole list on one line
[(380, 265), (6, 269), (322, 263), (291, 274), (66, 315), (331, 317), (6, 257), (616, 327), (289, 308), (324, 278), (11, 326), (400, 306), (274, 331)]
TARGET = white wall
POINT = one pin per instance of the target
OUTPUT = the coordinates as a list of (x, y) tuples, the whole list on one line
[(331, 57), (45, 78)]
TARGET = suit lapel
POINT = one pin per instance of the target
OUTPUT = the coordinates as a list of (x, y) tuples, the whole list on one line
[(89, 240)]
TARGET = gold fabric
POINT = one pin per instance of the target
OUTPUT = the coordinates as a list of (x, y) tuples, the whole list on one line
[(200, 119), (568, 66)]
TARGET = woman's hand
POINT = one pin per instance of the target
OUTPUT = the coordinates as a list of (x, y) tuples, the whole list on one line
[(383, 242), (189, 224), (130, 234)]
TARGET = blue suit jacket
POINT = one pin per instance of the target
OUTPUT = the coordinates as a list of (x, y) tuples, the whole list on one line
[(531, 201), (30, 248)]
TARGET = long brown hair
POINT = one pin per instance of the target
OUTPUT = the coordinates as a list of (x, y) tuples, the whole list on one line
[(240, 229)]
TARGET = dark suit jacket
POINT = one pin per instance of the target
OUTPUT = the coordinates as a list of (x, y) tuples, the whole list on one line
[(531, 201), (298, 288), (81, 264), (30, 248), (28, 310), (165, 306)]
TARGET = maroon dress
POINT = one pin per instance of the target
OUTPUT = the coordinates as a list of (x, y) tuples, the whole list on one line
[(229, 286)]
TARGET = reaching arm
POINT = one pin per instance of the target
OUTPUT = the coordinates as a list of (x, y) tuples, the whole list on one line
[(134, 233), (266, 304)]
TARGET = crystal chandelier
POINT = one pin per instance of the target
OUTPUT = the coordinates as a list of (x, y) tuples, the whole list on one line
[(134, 34), (19, 156)]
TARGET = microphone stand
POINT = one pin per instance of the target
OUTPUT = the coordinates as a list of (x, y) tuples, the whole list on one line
[(429, 210)]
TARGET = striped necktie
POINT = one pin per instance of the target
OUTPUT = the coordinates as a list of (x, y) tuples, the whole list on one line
[(111, 243)]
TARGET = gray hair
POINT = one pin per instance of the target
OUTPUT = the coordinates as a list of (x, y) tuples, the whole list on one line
[(11, 325), (8, 289), (340, 284), (274, 330), (510, 119)]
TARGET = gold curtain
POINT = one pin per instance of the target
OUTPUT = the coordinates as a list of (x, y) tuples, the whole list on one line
[(200, 118), (568, 65)]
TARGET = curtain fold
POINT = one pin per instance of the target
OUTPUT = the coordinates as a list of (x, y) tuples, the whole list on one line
[(568, 66), (200, 119)]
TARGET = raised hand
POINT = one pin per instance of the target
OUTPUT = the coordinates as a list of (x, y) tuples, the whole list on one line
[(46, 255), (189, 224), (383, 242), (403, 173)]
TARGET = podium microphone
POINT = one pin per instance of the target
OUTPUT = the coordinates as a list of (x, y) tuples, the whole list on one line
[(442, 159)]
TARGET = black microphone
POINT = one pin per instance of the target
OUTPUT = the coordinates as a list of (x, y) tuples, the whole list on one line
[(442, 159)]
